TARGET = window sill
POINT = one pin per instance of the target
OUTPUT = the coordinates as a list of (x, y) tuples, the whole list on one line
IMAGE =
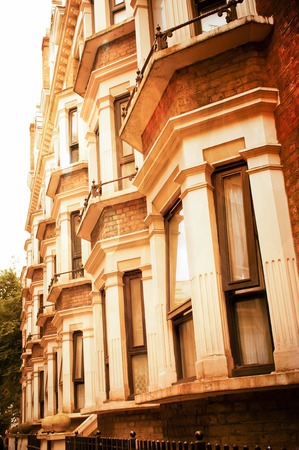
[(209, 387), (253, 369)]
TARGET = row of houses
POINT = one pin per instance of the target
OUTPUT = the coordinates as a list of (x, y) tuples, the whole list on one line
[(160, 292)]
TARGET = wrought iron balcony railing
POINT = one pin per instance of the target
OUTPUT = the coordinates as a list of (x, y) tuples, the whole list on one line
[(42, 308), (96, 189), (33, 337), (76, 273), (160, 41)]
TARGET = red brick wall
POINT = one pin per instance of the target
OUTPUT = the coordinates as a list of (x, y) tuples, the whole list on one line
[(74, 297), (119, 219), (115, 50), (48, 327), (37, 351), (214, 79), (282, 52), (37, 275), (270, 417), (72, 180), (50, 231)]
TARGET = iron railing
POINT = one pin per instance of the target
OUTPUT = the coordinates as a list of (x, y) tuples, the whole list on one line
[(100, 443), (96, 189), (76, 273), (42, 308), (160, 41), (31, 337)]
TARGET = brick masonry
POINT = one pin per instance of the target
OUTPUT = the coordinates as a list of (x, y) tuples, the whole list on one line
[(263, 418), (37, 275), (37, 351), (72, 180), (123, 218), (112, 51), (282, 55), (48, 327), (50, 231), (74, 297)]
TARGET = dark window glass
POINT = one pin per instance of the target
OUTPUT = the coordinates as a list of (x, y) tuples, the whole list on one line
[(78, 370), (242, 276), (76, 246), (136, 334)]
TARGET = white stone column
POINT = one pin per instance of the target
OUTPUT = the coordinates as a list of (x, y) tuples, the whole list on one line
[(89, 366), (277, 251), (87, 25), (208, 304), (64, 138), (151, 328), (93, 162), (35, 328), (143, 34), (176, 13), (100, 385), (108, 168), (101, 15), (116, 336), (56, 142), (166, 362), (247, 8), (29, 320), (49, 261), (51, 378), (67, 357), (59, 361), (65, 245), (48, 200), (35, 395), (35, 243), (29, 396)]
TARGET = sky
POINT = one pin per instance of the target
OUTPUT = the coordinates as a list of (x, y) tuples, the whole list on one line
[(22, 27)]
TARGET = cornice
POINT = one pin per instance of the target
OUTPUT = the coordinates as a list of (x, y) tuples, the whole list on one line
[(63, 54)]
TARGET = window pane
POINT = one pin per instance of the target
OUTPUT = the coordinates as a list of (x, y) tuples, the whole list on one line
[(140, 373), (235, 226), (74, 127), (79, 396), (187, 347), (119, 16), (211, 22), (180, 286), (254, 332), (137, 317), (78, 360)]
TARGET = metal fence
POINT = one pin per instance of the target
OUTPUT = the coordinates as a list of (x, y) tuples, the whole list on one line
[(101, 443)]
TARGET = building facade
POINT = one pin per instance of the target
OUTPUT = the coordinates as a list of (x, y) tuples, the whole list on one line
[(161, 285)]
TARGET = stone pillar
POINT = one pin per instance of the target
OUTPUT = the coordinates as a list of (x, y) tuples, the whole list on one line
[(176, 12), (108, 168), (51, 381), (48, 200), (101, 15), (64, 138), (65, 245), (35, 243), (151, 328), (93, 162), (116, 336), (87, 24), (59, 362), (49, 261), (67, 355), (277, 251), (35, 328), (208, 304), (100, 386), (35, 414), (29, 396), (166, 362), (89, 367), (143, 35)]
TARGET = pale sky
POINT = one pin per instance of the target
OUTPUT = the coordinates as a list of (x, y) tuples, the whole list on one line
[(22, 27)]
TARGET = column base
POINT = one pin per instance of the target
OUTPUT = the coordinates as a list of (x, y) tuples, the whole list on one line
[(286, 359), (166, 378), (117, 394), (213, 367)]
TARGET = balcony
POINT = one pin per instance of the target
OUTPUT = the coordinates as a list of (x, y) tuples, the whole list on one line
[(163, 61), (43, 313), (65, 280), (32, 339)]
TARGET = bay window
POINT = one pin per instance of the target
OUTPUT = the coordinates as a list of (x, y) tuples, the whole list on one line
[(200, 7), (179, 294), (242, 276), (136, 333)]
